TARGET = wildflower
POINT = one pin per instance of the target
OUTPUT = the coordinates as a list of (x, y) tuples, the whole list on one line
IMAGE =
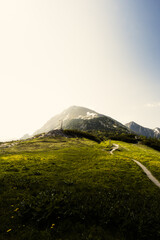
[(16, 209), (9, 230), (12, 216), (52, 226), (12, 205)]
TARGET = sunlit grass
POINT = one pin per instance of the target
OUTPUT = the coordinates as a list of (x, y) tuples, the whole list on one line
[(147, 156), (64, 188)]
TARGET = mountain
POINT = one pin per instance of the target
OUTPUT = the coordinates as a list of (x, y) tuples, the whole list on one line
[(157, 132), (25, 136), (83, 119), (140, 130)]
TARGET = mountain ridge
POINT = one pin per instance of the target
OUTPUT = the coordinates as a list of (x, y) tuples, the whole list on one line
[(144, 131), (84, 119)]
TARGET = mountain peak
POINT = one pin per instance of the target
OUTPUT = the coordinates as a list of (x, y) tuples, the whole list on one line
[(132, 123), (140, 130), (81, 118)]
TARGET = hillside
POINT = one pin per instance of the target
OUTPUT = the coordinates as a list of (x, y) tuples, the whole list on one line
[(74, 189), (83, 119), (140, 130)]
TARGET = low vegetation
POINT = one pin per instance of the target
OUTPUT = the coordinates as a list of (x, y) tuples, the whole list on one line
[(74, 189), (151, 142), (131, 138), (81, 134)]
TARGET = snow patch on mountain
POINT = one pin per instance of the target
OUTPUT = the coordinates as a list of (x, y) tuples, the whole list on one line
[(89, 115), (157, 130)]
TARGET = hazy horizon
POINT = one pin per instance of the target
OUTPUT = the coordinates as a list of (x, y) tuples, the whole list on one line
[(103, 55)]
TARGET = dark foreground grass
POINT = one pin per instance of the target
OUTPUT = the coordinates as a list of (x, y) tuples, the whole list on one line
[(72, 189)]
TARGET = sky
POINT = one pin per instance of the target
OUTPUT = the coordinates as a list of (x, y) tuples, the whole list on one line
[(99, 54)]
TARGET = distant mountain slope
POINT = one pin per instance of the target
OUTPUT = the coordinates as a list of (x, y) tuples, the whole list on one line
[(140, 130), (25, 136), (84, 119), (157, 132)]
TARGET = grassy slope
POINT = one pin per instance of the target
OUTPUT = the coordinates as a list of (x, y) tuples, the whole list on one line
[(147, 156), (82, 189)]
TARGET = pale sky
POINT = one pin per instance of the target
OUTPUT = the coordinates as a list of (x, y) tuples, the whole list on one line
[(99, 54)]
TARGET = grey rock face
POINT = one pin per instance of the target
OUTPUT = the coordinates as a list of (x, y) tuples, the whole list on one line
[(140, 130), (81, 118)]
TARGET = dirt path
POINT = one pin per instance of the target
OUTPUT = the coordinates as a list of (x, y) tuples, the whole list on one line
[(145, 170), (148, 173), (115, 147)]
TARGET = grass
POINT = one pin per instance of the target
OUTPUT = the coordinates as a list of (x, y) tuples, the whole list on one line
[(147, 156), (65, 188)]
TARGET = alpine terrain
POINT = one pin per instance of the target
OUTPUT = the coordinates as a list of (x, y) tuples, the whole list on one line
[(140, 130), (83, 119)]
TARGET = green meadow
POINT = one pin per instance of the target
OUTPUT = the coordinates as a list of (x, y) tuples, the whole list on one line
[(74, 189)]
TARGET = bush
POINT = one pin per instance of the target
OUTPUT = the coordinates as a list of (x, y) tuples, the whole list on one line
[(81, 134)]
